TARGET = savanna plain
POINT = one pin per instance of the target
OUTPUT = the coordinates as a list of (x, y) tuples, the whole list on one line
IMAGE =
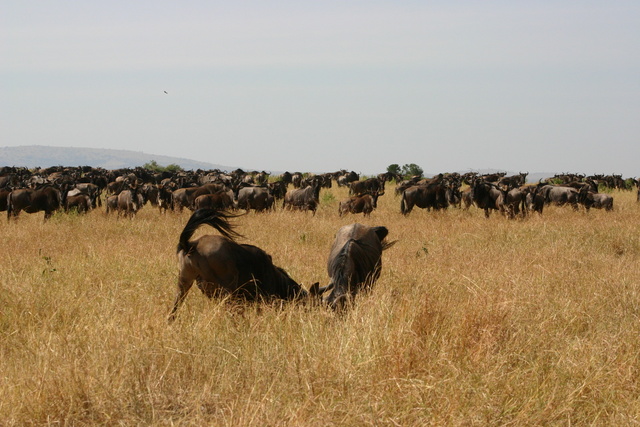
[(473, 321)]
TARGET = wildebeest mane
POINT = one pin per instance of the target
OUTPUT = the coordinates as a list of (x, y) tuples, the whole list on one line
[(216, 219)]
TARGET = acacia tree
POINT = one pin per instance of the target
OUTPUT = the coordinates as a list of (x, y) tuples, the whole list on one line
[(411, 169), (155, 167), (394, 169)]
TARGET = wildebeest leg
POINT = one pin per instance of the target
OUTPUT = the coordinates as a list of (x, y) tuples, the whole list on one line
[(185, 281)]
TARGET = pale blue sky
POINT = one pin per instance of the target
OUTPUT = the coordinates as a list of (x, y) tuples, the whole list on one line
[(548, 86)]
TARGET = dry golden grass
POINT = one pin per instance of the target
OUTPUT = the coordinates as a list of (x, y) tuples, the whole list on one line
[(473, 322)]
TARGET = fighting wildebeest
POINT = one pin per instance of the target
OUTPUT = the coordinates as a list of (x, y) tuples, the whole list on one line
[(220, 265), (355, 262)]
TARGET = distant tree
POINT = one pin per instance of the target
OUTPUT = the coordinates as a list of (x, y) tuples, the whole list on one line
[(394, 169), (153, 166), (411, 169)]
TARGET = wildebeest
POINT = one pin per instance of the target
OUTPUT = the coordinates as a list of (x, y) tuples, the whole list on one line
[(559, 195), (80, 202), (434, 195), (91, 190), (597, 201), (306, 198), (368, 185), (130, 202), (354, 263), (487, 196), (48, 199), (183, 198), (218, 201), (256, 198), (364, 204), (4, 195), (220, 265)]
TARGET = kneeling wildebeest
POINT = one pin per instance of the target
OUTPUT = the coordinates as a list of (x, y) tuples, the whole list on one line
[(354, 264), (221, 266)]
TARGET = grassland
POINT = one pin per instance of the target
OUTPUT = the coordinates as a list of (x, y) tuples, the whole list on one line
[(473, 322)]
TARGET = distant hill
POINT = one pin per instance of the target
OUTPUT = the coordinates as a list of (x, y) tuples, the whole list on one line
[(44, 156)]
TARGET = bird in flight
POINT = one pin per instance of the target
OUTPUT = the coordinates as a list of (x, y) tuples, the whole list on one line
[(166, 92)]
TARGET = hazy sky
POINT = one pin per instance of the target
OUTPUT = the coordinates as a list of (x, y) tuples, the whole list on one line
[(545, 86)]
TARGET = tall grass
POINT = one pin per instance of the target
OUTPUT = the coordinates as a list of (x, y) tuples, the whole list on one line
[(473, 321)]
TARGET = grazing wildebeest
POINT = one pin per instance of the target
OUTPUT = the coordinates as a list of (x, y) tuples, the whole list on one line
[(219, 265), (597, 201), (355, 262), (364, 204), (256, 198), (48, 199), (306, 198)]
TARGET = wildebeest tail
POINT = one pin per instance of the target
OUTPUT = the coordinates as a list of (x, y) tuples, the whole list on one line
[(403, 207), (216, 219), (10, 205)]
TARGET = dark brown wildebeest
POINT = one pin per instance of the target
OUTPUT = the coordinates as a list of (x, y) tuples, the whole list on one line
[(306, 198), (218, 201), (278, 189), (354, 264), (364, 204), (4, 195), (80, 202), (221, 266), (434, 195), (487, 196), (92, 190), (369, 185), (513, 181), (48, 199)]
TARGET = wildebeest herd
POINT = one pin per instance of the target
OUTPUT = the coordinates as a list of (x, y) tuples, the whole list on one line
[(218, 264), (126, 191)]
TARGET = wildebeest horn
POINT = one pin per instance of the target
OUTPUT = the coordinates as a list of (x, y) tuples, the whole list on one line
[(317, 290)]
